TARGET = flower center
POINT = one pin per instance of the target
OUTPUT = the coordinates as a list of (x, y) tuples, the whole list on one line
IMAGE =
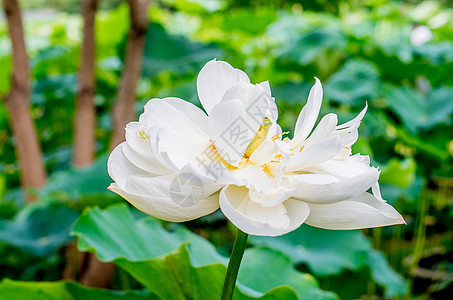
[(142, 132), (259, 137), (257, 140)]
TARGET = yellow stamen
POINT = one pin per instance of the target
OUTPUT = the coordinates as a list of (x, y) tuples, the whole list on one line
[(266, 171), (259, 137), (276, 136), (301, 148), (142, 132), (211, 145), (219, 158)]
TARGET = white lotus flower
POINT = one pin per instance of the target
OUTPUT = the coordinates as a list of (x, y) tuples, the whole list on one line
[(178, 163)]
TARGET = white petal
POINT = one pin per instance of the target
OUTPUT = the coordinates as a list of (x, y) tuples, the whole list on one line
[(266, 87), (377, 191), (166, 208), (284, 161), (137, 149), (336, 191), (275, 216), (347, 168), (254, 178), (179, 148), (273, 110), (144, 162), (231, 130), (364, 211), (315, 154), (320, 179), (172, 187), (120, 168), (194, 113), (344, 153), (156, 147), (309, 114), (238, 92), (277, 196), (137, 138), (275, 130), (265, 152), (172, 113), (324, 130), (256, 220), (348, 131), (356, 120), (257, 101), (260, 105), (214, 79)]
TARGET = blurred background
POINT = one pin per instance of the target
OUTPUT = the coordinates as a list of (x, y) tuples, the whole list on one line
[(395, 55)]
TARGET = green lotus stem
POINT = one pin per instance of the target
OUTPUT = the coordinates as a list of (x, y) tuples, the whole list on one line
[(233, 265)]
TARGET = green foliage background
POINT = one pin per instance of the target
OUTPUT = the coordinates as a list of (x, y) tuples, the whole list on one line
[(360, 50)]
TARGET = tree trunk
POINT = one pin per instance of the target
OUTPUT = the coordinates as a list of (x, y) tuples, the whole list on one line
[(98, 274), (85, 120), (27, 146), (84, 140), (74, 262), (123, 111)]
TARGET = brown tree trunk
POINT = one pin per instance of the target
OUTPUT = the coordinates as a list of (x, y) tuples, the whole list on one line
[(74, 262), (123, 111), (98, 274), (85, 120), (27, 146), (84, 141)]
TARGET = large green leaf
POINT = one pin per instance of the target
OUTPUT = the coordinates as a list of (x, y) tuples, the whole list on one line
[(40, 228), (93, 179), (7, 209), (173, 276), (175, 264), (328, 252), (165, 52), (250, 21), (325, 252), (399, 173), (385, 276), (290, 92), (114, 233), (437, 54), (355, 82), (66, 290), (79, 187), (264, 268), (418, 111), (310, 45)]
